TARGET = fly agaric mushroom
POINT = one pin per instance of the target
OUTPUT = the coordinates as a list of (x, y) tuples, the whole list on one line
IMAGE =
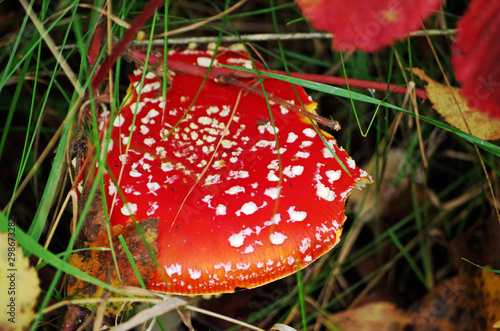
[(242, 198)]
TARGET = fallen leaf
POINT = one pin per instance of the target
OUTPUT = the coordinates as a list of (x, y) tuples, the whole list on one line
[(470, 301), (449, 102), (486, 291), (99, 263), (367, 25), (19, 285), (438, 309), (475, 56), (372, 316)]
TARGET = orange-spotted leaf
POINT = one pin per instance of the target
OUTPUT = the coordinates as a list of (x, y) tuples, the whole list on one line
[(448, 102), (367, 24), (475, 56), (99, 263)]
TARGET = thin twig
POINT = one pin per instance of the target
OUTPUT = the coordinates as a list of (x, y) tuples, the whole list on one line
[(272, 36)]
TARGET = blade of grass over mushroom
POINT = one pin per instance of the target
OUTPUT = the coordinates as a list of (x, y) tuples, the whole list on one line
[(69, 248), (205, 78), (316, 86), (489, 147), (137, 89), (284, 61), (108, 229), (131, 260), (273, 125), (152, 255)]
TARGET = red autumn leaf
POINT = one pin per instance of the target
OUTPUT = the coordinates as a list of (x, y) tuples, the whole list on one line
[(210, 173), (475, 56), (367, 24)]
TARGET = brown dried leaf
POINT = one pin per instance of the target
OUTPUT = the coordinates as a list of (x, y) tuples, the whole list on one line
[(470, 301), (449, 102), (438, 309)]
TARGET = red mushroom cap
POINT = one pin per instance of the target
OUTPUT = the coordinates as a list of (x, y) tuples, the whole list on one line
[(475, 56), (367, 24), (225, 222)]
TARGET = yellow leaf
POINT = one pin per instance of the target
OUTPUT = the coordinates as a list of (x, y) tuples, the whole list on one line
[(19, 285), (448, 102), (489, 285)]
